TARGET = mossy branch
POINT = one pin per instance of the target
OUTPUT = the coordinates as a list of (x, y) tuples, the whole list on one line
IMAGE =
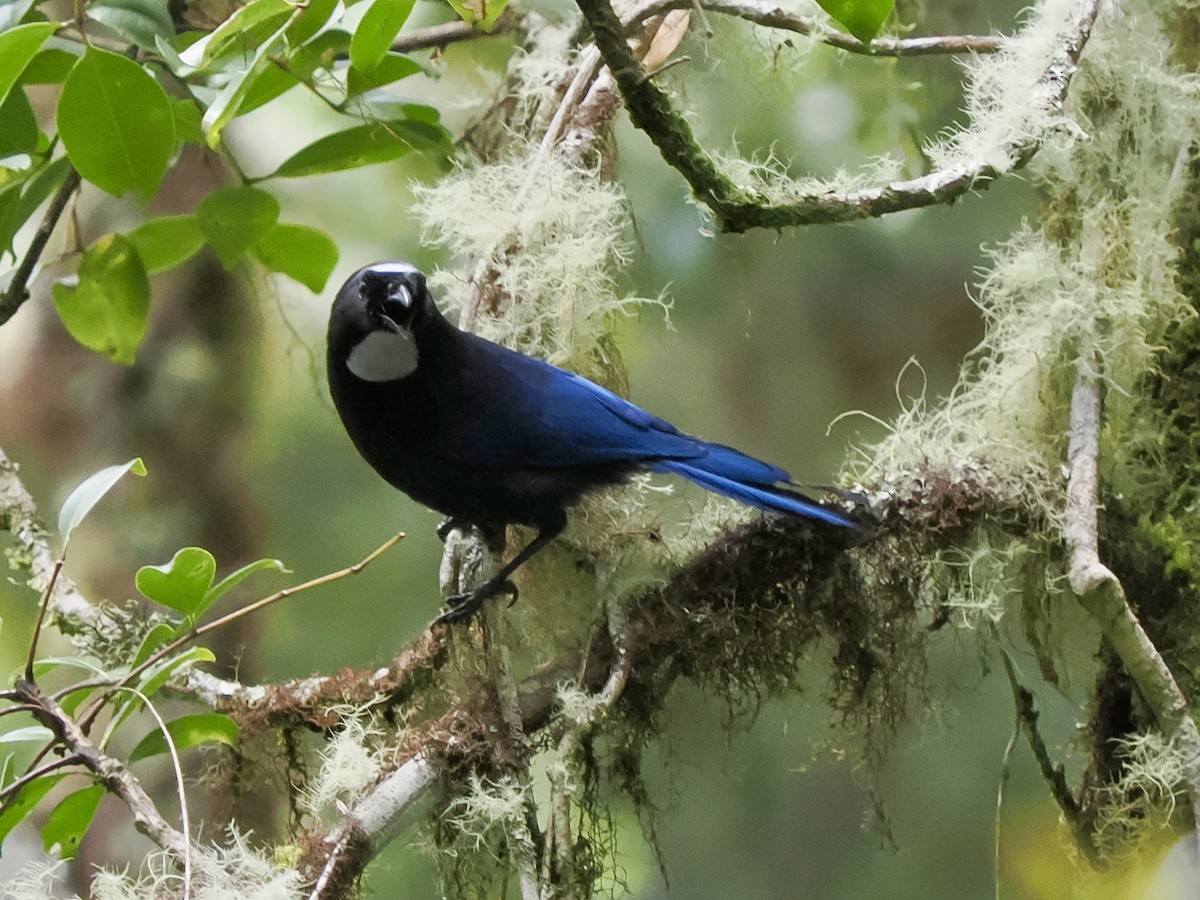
[(737, 209)]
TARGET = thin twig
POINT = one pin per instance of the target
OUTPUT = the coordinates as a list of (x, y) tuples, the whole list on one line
[(1068, 806), (438, 36), (196, 631), (179, 788), (388, 810), (585, 74), (1005, 771), (512, 739), (41, 616), (18, 289), (10, 790), (776, 17), (1101, 592)]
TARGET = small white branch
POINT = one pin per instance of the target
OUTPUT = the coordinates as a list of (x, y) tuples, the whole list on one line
[(394, 805), (1101, 593)]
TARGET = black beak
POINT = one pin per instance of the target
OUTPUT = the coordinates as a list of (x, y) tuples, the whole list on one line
[(389, 302)]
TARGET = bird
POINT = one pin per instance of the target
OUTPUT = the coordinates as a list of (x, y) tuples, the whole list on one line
[(490, 437)]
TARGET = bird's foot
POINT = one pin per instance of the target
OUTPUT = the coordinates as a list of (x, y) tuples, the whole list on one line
[(463, 607)]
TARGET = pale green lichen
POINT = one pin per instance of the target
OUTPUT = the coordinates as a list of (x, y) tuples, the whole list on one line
[(233, 871), (350, 762), (1138, 807), (1097, 277), (553, 241), (489, 817), (1008, 98)]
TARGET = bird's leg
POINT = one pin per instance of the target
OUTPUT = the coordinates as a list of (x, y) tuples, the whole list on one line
[(464, 606)]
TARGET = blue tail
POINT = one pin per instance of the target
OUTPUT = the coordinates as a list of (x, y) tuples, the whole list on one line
[(734, 474)]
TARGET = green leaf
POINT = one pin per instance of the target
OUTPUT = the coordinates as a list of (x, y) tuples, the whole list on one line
[(233, 579), (182, 583), (188, 731), (167, 50), (227, 103), (70, 820), (18, 125), (862, 18), (89, 664), (483, 13), (299, 252), (74, 696), (10, 200), (165, 242), (187, 121), (233, 31), (234, 218), (39, 733), (12, 12), (323, 50), (316, 16), (105, 306), (35, 192), (25, 802), (156, 676), (282, 74), (52, 65), (274, 81), (363, 145), (138, 21), (156, 637), (150, 683), (18, 46), (116, 124), (393, 67), (88, 494), (376, 32)]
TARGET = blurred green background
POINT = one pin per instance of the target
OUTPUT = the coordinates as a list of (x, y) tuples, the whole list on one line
[(772, 337)]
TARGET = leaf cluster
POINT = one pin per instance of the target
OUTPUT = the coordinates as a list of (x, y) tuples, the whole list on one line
[(135, 88), (104, 696)]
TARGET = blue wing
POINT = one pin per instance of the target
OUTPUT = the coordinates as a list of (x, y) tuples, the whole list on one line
[(530, 414), (539, 416)]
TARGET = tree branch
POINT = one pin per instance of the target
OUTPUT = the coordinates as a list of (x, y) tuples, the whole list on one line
[(18, 514), (776, 17), (753, 575), (738, 209), (447, 33), (109, 771), (18, 289), (1101, 593)]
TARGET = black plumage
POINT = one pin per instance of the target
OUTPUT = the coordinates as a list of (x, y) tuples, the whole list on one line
[(489, 436)]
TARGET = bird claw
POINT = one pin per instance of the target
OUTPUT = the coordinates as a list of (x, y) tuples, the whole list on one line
[(463, 607), (447, 526)]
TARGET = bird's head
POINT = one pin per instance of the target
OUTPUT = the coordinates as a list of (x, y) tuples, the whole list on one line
[(374, 319)]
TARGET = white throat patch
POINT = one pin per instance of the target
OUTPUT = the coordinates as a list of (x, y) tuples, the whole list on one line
[(384, 356)]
